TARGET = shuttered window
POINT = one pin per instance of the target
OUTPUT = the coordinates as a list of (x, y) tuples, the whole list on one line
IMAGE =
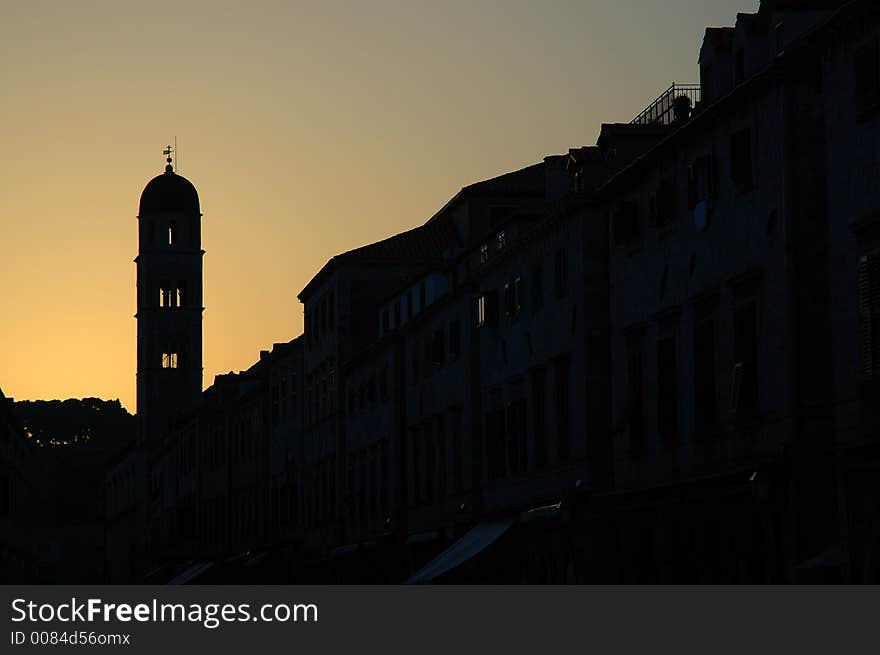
[(869, 315)]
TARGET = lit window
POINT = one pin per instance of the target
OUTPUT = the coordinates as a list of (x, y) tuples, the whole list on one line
[(502, 240), (170, 360), (484, 253), (481, 310), (172, 233)]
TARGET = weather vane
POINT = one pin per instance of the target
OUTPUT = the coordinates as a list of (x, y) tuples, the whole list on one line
[(167, 152)]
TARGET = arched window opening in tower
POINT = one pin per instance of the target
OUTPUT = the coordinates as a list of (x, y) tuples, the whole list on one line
[(172, 233), (170, 360)]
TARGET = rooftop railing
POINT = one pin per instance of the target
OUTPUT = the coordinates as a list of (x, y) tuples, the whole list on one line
[(662, 110)]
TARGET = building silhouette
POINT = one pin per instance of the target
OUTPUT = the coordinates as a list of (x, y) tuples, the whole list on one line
[(169, 302), (652, 359)]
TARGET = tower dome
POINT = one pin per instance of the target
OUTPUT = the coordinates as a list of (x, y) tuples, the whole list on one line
[(169, 192)]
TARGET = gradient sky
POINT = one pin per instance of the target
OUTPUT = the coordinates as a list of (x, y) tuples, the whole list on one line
[(308, 129)]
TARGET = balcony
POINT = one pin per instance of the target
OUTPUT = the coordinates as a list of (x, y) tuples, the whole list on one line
[(662, 110)]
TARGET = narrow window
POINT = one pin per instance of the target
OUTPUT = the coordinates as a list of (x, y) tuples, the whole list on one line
[(667, 388), (741, 160), (625, 223), (518, 294), (170, 360), (563, 428), (383, 384), (454, 338), (779, 31), (561, 271), (539, 413), (744, 398), (537, 288), (172, 233), (869, 314), (739, 67), (635, 393), (705, 410), (502, 240), (867, 75), (484, 253), (437, 348), (481, 311)]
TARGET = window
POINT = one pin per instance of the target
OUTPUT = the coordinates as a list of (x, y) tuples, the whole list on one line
[(5, 495), (457, 451), (170, 360), (741, 160), (739, 74), (663, 204), (172, 233), (517, 451), (869, 315), (414, 358), (484, 253), (561, 271), (537, 288), (454, 339), (635, 408), (539, 413), (513, 297), (495, 431), (579, 181), (486, 309), (562, 369), (518, 294), (437, 348), (502, 240), (867, 74), (180, 293), (667, 388), (383, 384), (705, 410), (625, 223), (701, 180), (744, 396)]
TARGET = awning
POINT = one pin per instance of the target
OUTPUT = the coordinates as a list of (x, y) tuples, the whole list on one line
[(342, 551), (462, 550), (191, 573), (829, 559), (422, 538), (547, 512), (256, 560)]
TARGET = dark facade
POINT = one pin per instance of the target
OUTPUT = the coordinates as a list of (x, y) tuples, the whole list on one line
[(653, 359)]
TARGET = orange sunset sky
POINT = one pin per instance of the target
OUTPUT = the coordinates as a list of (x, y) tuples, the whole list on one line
[(308, 129)]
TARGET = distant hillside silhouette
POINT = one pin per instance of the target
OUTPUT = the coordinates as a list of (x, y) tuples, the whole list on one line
[(90, 422)]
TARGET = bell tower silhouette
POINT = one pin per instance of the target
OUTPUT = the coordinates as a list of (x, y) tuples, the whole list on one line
[(169, 302)]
